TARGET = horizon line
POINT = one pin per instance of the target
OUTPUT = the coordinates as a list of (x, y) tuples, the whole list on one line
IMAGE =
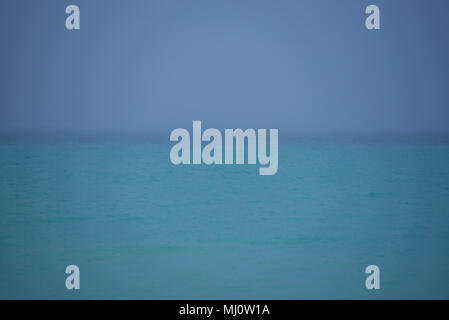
[(162, 135)]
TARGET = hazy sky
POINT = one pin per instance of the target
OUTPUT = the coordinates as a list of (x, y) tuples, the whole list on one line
[(304, 66)]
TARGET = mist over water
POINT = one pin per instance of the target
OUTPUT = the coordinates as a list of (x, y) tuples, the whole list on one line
[(85, 171), (298, 66)]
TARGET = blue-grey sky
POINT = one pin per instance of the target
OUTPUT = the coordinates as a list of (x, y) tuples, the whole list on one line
[(301, 66)]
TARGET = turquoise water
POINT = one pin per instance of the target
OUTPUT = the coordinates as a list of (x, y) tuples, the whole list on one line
[(140, 227)]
